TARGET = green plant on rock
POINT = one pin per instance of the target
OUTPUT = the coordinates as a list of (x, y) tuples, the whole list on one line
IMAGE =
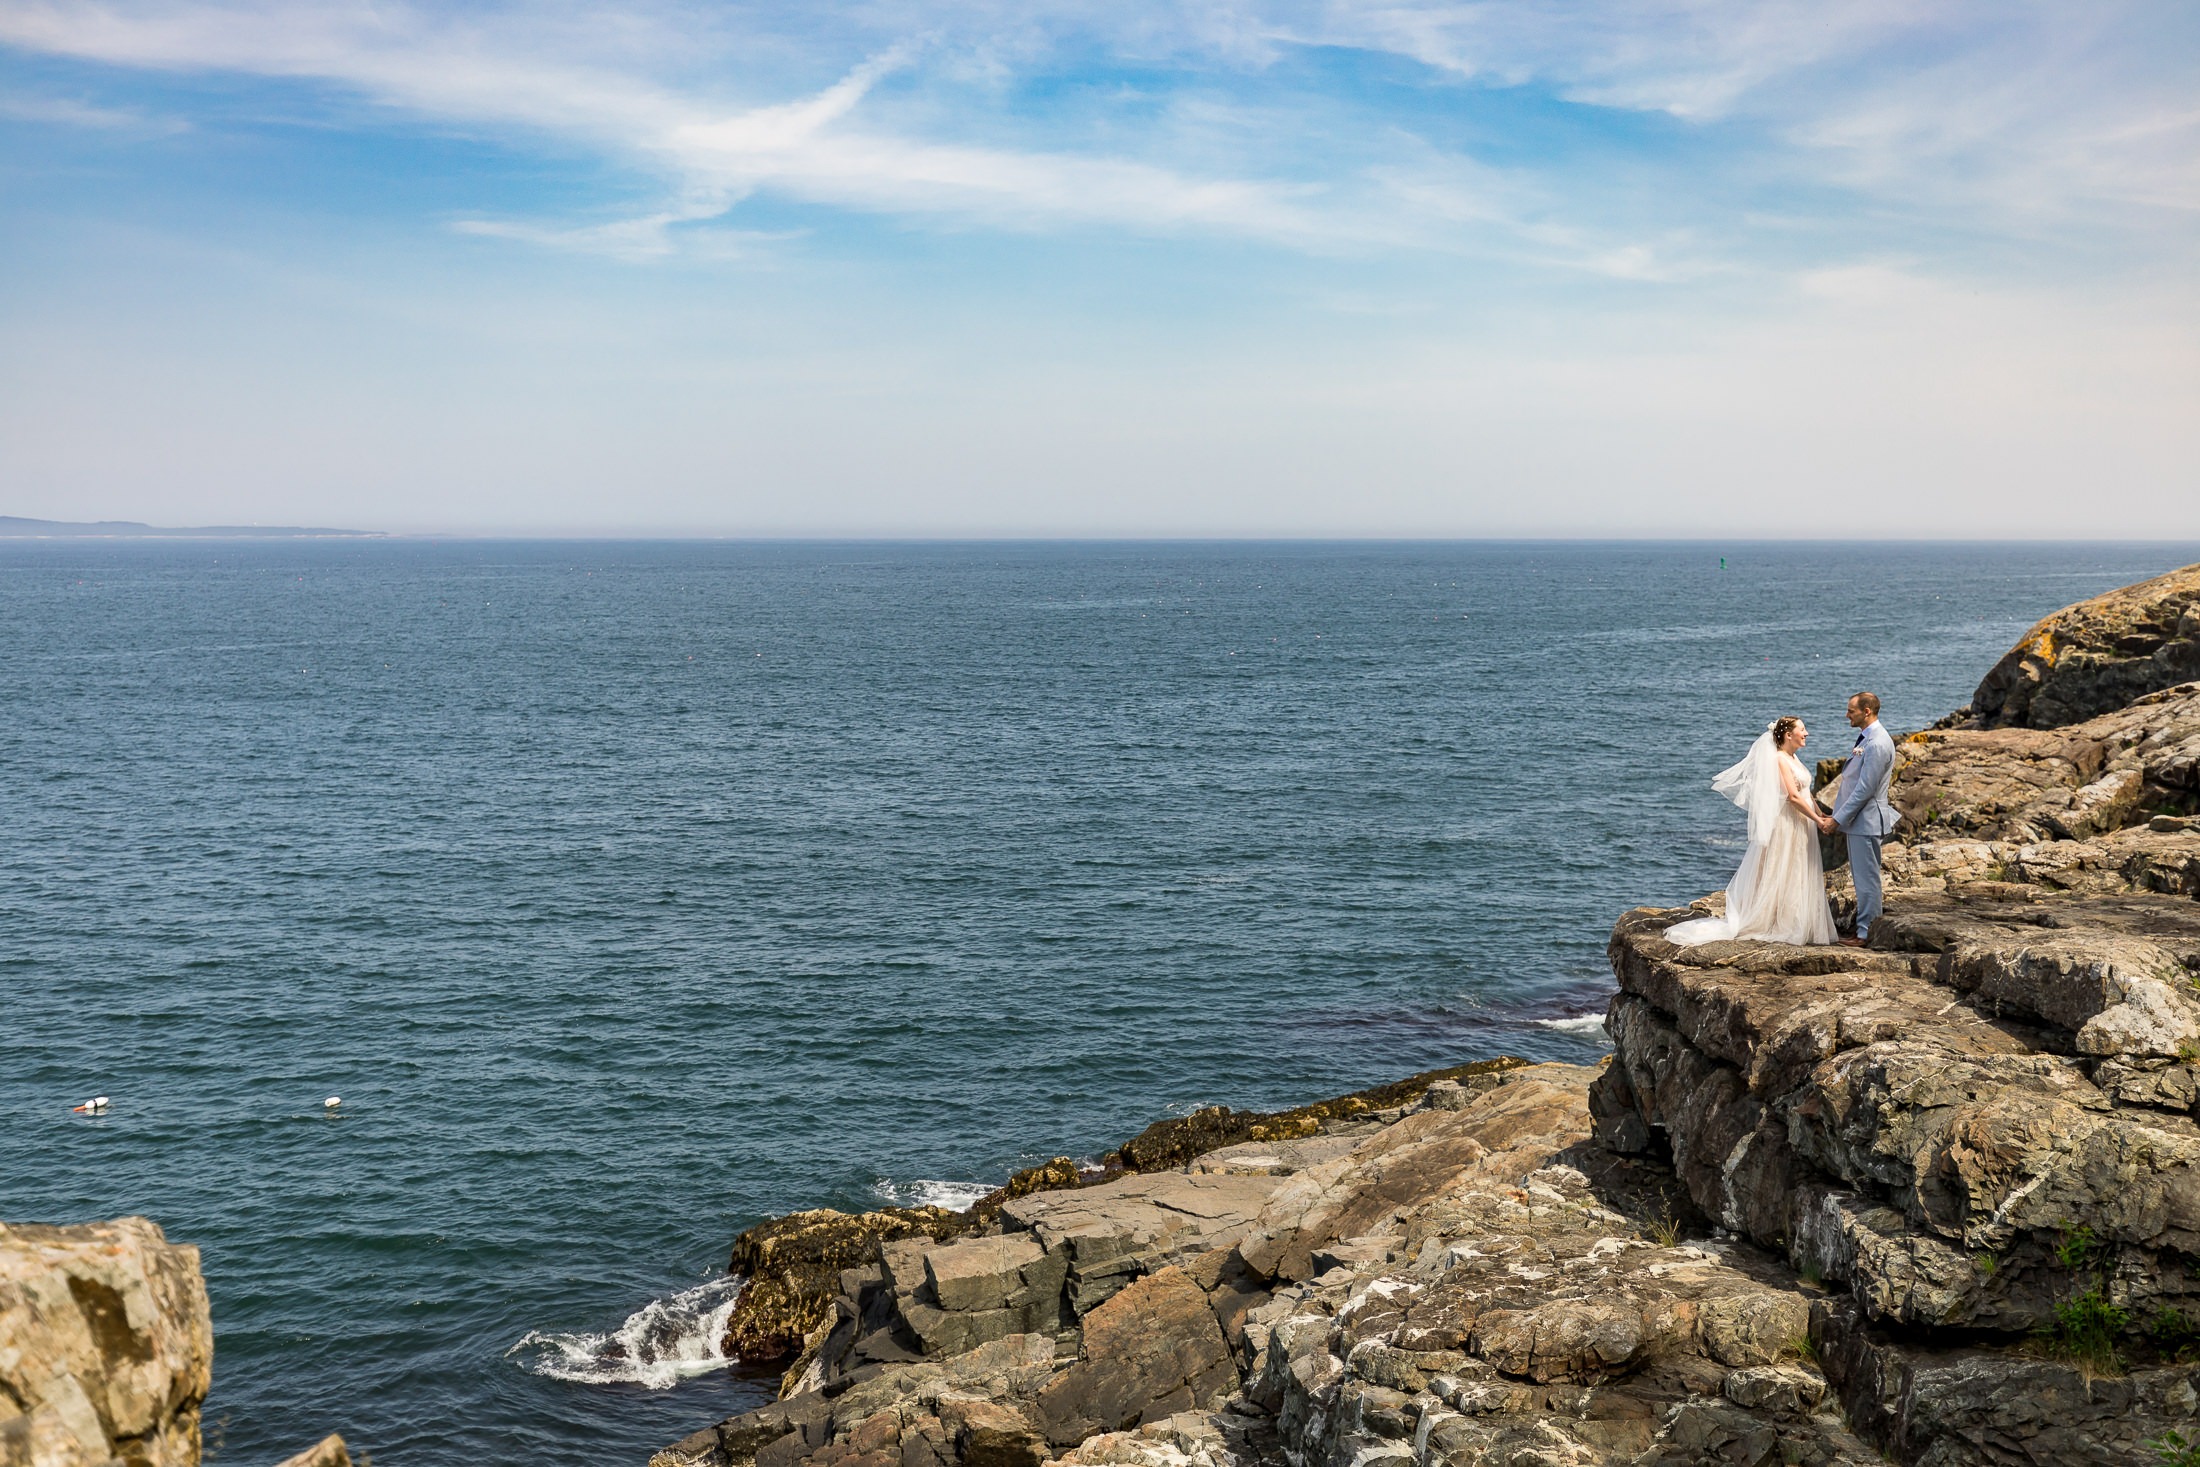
[(2077, 1250), (1805, 1349), (2173, 1450), (1999, 871), (1986, 1264), (1810, 1273), (2085, 1333), (1666, 1232), (2170, 1329)]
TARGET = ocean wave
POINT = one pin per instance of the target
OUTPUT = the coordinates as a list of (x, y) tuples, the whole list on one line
[(1575, 1024), (661, 1344), (924, 1192)]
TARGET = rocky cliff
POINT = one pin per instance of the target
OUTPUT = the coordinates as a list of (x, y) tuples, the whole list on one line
[(1981, 1131), (2096, 656), (106, 1346), (107, 1349), (1978, 1133), (1936, 1201)]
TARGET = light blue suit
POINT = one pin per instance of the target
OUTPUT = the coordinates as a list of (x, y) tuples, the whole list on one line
[(1866, 817)]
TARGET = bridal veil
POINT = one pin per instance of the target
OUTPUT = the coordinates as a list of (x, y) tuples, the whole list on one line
[(1754, 784), (1778, 894)]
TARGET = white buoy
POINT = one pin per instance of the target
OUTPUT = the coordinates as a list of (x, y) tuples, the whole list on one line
[(332, 1102), (97, 1105)]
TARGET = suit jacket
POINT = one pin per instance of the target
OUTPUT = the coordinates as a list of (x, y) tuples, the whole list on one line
[(1863, 808)]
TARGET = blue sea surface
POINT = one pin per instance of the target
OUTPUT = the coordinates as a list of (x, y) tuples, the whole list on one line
[(628, 893)]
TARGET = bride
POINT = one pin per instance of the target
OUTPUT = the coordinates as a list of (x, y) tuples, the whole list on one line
[(1779, 892)]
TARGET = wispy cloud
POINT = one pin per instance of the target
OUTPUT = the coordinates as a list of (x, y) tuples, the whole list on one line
[(70, 112), (2033, 106), (810, 148), (646, 237), (2016, 111)]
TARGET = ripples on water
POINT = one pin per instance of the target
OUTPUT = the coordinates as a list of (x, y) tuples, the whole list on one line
[(628, 893)]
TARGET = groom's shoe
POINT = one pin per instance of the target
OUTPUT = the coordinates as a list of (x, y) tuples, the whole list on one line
[(1854, 942)]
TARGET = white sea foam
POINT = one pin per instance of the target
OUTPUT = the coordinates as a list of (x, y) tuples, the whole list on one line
[(1578, 1024), (660, 1344), (925, 1192)]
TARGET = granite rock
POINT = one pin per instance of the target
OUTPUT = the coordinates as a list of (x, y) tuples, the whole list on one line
[(329, 1451), (1536, 1322), (1152, 1350), (904, 1411), (1283, 1158), (2014, 788), (1114, 1233), (2097, 655), (1923, 1126), (2120, 995), (1966, 1404), (793, 1264), (1188, 1439), (1170, 1144), (1456, 1283), (106, 1345), (791, 1307), (992, 1273), (971, 1292)]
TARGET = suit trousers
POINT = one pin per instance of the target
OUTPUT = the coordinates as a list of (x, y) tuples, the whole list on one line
[(1864, 870)]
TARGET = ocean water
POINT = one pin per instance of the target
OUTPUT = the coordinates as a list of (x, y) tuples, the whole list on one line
[(628, 893)]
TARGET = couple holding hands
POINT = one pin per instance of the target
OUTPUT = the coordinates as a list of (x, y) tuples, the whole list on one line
[(1778, 894)]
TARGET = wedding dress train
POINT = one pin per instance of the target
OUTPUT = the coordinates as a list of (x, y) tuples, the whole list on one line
[(1778, 894)]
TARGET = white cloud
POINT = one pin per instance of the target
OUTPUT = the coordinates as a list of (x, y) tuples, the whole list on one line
[(2025, 108), (1692, 58), (809, 147), (1991, 116), (648, 237), (787, 127), (69, 112)]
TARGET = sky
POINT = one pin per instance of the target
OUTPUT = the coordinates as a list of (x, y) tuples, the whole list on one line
[(1675, 268)]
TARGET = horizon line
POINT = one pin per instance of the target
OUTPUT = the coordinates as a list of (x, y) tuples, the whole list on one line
[(278, 532)]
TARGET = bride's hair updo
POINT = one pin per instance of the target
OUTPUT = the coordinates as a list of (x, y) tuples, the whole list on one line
[(1781, 728)]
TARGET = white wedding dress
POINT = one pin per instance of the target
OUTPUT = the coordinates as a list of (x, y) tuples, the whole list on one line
[(1779, 892)]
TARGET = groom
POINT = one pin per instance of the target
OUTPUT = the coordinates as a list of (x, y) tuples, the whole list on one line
[(1862, 811)]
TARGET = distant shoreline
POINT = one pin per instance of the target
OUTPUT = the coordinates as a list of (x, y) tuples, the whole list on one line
[(16, 527)]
